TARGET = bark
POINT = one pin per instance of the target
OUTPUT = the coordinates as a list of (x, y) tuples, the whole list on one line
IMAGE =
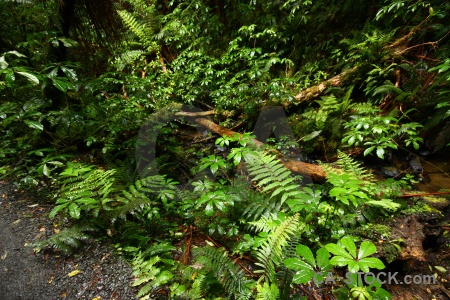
[(316, 172), (315, 91)]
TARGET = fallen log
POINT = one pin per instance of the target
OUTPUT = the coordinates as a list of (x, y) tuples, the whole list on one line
[(315, 91), (316, 172)]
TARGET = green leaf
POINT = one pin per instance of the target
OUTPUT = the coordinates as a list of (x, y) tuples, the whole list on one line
[(33, 79), (368, 150), (348, 243), (74, 211), (297, 264), (57, 209), (323, 259), (380, 152), (46, 171), (34, 125), (63, 86), (3, 63), (371, 262), (306, 253), (303, 276), (209, 209), (341, 261), (10, 77), (69, 73), (214, 167), (311, 135), (366, 249), (338, 250), (18, 54)]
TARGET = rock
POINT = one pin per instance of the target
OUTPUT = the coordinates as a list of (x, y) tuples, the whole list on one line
[(390, 171), (439, 203), (416, 165), (410, 230)]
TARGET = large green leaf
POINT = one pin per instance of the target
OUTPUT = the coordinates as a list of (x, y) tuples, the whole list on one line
[(34, 125), (306, 253), (33, 79), (348, 243), (61, 85), (323, 259), (366, 249), (338, 250), (74, 210)]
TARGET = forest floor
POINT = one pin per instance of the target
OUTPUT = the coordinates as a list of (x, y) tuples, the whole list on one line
[(102, 274), (25, 275)]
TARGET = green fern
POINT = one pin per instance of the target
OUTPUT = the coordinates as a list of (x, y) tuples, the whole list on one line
[(284, 274), (67, 240), (142, 30), (85, 190), (233, 278), (145, 193), (150, 274), (272, 176), (280, 231), (349, 165)]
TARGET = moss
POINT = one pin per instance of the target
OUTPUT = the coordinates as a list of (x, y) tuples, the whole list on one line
[(439, 203), (391, 252), (373, 231), (419, 207)]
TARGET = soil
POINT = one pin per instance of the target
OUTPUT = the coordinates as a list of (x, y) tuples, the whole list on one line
[(25, 275)]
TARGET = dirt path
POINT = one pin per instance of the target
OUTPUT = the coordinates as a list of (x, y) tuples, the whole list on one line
[(26, 276)]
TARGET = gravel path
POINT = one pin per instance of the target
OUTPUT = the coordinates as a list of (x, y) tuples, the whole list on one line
[(28, 276)]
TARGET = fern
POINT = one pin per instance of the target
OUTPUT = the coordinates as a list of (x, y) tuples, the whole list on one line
[(144, 193), (67, 240), (349, 165), (142, 31), (267, 292), (285, 275), (149, 275), (270, 253), (231, 276), (272, 176), (85, 190)]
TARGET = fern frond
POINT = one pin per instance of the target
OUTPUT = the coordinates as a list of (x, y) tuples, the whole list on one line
[(286, 275), (158, 249), (350, 166), (230, 275), (144, 192), (273, 177), (142, 31), (67, 240), (269, 254)]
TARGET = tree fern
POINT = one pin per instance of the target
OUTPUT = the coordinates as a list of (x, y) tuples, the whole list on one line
[(143, 31)]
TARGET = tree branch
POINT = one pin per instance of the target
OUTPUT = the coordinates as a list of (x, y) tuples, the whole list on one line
[(305, 169)]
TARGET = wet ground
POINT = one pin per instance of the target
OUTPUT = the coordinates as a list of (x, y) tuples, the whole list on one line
[(97, 273)]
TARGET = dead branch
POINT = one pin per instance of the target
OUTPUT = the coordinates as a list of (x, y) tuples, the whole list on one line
[(305, 169), (315, 91), (194, 114)]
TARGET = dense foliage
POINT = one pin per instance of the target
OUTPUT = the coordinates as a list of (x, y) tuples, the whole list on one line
[(199, 219)]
